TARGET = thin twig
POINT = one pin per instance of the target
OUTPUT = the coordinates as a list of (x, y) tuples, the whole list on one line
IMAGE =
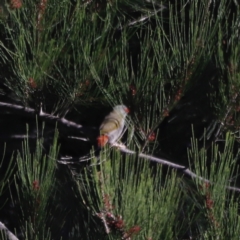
[(143, 18), (229, 108), (222, 123)]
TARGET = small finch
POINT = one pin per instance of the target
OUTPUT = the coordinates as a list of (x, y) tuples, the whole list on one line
[(112, 125)]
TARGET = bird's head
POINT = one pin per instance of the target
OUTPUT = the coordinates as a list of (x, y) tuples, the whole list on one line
[(121, 109)]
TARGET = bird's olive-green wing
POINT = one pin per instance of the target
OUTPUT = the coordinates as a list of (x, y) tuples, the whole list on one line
[(109, 125)]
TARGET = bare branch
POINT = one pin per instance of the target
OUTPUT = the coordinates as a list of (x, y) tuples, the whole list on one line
[(122, 148), (162, 161), (182, 168), (43, 115)]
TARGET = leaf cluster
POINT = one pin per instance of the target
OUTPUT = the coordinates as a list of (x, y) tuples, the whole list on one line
[(174, 64)]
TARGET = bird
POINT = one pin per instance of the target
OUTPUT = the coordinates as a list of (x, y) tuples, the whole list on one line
[(112, 126)]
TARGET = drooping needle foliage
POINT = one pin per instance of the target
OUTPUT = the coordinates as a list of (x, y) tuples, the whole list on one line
[(174, 64)]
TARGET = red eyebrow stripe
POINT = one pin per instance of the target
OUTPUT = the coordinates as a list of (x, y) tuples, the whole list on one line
[(127, 110)]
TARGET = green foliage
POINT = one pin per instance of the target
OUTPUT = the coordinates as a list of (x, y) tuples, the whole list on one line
[(4, 178), (131, 197), (35, 182), (96, 52), (175, 65), (219, 206), (128, 197), (127, 190)]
